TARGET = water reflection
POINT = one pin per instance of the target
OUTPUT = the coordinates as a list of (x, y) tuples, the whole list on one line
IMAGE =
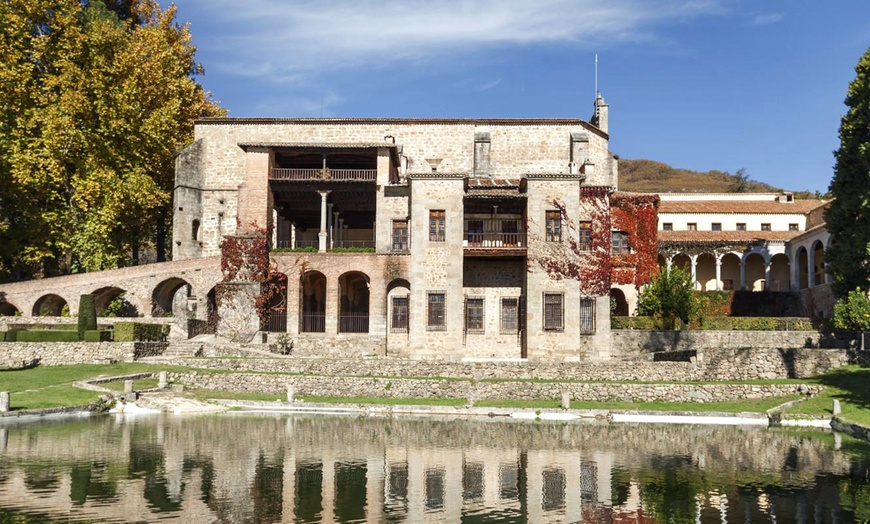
[(252, 468)]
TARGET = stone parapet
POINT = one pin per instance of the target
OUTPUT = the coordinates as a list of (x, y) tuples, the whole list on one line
[(16, 354)]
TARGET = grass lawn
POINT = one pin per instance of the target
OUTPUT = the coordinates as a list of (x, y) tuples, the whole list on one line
[(850, 385)]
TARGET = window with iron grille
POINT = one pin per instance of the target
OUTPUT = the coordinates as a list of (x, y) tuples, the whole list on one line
[(435, 311), (584, 242), (553, 315), (554, 226), (400, 235), (474, 316), (620, 244), (587, 316), (399, 317), (510, 315), (436, 225)]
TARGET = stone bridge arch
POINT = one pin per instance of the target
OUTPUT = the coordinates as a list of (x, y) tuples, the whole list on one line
[(50, 305), (170, 298)]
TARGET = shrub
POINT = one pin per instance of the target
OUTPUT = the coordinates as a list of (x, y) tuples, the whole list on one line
[(852, 313), (352, 250), (642, 323), (98, 335), (308, 249), (10, 335), (119, 307), (139, 332), (714, 303), (669, 296), (48, 335), (87, 315)]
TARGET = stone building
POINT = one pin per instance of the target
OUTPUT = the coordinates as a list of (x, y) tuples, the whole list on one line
[(430, 237)]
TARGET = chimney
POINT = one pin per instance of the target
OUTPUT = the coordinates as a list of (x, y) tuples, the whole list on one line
[(599, 119)]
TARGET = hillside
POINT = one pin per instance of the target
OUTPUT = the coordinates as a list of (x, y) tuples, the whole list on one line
[(649, 176)]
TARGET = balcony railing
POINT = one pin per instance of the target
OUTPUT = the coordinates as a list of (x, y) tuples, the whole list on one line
[(494, 233), (313, 323), (353, 323), (339, 175)]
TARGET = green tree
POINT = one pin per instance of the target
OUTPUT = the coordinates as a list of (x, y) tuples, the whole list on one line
[(741, 181), (853, 312), (93, 109), (669, 296), (848, 215)]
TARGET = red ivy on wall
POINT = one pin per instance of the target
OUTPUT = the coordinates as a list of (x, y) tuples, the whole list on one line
[(637, 216), (245, 258), (596, 274)]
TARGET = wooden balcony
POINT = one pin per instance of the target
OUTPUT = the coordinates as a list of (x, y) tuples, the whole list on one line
[(336, 175), (494, 237)]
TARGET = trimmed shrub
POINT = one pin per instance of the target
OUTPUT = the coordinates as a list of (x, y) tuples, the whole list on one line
[(2, 336), (98, 335), (642, 323), (10, 335), (87, 315), (139, 332), (48, 335)]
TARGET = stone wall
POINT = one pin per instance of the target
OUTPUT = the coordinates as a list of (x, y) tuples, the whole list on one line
[(14, 354), (393, 387)]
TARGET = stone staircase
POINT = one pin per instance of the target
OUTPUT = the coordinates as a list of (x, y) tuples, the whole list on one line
[(187, 348)]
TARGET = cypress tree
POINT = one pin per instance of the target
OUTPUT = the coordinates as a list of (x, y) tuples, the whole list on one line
[(87, 315), (848, 216)]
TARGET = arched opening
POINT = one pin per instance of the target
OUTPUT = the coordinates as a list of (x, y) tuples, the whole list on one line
[(8, 309), (211, 311), (313, 318), (818, 263), (169, 298), (803, 268), (353, 303), (275, 290), (662, 261), (780, 271), (50, 305), (729, 271), (754, 272), (398, 305), (110, 302), (682, 261), (194, 230), (618, 303), (705, 272)]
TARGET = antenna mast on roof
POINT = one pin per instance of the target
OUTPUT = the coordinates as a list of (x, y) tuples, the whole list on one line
[(596, 75)]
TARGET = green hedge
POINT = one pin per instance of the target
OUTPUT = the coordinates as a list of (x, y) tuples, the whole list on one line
[(87, 319), (98, 335), (139, 332), (724, 323), (48, 335), (644, 323)]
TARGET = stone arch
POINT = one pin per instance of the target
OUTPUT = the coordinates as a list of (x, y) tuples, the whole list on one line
[(662, 261), (754, 271), (211, 311), (276, 312), (617, 297), (818, 250), (8, 309), (398, 305), (106, 295), (682, 261), (312, 302), (780, 272), (705, 271), (729, 271), (353, 302), (49, 305), (169, 298), (803, 264)]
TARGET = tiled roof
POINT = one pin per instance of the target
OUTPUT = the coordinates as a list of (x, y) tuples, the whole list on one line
[(486, 182), (743, 206), (485, 187), (747, 237)]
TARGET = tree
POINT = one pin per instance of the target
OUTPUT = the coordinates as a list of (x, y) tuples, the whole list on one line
[(741, 181), (669, 296), (96, 102), (853, 312), (848, 215)]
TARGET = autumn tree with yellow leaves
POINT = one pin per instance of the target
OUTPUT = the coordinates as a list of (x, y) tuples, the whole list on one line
[(96, 99)]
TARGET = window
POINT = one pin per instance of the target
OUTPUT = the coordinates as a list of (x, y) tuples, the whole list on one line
[(741, 226), (668, 226), (584, 242), (510, 315), (400, 235), (474, 315), (435, 311), (195, 230), (587, 316), (765, 227), (399, 317), (474, 233), (436, 225), (619, 244), (691, 226), (717, 226), (553, 318), (554, 226), (793, 227)]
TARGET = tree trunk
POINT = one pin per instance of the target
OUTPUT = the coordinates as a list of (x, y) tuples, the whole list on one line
[(161, 234)]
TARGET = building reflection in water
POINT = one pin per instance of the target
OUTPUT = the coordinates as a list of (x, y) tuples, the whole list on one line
[(233, 468)]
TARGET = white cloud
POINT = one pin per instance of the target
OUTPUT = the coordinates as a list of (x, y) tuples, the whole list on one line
[(289, 42), (767, 18)]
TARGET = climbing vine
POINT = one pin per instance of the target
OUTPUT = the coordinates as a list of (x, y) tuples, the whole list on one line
[(245, 258), (637, 216)]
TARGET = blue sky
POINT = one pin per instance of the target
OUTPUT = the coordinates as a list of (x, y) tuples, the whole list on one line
[(698, 84)]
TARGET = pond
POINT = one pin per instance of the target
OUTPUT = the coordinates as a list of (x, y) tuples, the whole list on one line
[(242, 467)]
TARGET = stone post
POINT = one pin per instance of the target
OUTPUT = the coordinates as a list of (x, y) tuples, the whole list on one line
[(291, 393), (128, 387), (4, 401), (162, 382), (836, 411), (321, 237), (566, 400)]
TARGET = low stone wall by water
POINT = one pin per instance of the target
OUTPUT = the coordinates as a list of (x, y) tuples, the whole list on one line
[(387, 387), (14, 354)]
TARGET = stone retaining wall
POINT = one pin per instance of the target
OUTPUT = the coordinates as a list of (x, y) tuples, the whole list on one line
[(14, 354), (385, 387), (851, 429)]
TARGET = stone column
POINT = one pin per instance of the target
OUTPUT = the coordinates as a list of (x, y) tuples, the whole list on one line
[(694, 270), (767, 274), (336, 228), (669, 262), (293, 234), (718, 272), (341, 230), (330, 226), (742, 273), (4, 401), (321, 237), (275, 226), (811, 268)]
